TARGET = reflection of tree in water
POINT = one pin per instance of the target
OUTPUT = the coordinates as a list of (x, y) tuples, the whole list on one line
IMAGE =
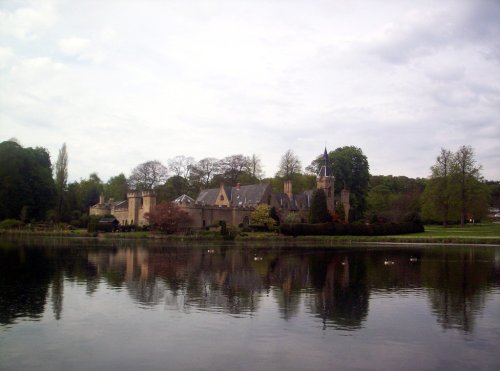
[(458, 280), (24, 283), (342, 296)]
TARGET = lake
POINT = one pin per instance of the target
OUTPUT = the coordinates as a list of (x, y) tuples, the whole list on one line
[(122, 305)]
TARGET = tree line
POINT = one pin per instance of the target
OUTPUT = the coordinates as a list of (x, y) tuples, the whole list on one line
[(31, 189)]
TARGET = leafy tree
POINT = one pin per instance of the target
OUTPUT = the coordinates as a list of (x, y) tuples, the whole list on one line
[(455, 188), (262, 216), (61, 180), (89, 191), (26, 183), (168, 218), (318, 213), (116, 187), (351, 171), (393, 198), (147, 175), (289, 165), (467, 176), (174, 187), (494, 187)]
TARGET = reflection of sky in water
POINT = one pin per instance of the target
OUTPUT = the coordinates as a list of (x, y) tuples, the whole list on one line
[(130, 317)]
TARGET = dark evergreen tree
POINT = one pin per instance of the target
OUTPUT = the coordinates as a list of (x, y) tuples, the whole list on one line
[(27, 189), (319, 211)]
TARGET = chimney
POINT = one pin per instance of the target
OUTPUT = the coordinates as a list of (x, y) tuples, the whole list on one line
[(287, 185), (101, 199)]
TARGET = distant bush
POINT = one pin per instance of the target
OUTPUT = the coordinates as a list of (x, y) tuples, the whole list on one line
[(331, 229), (258, 228), (11, 224)]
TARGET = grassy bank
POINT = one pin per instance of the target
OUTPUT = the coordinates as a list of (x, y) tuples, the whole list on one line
[(470, 234)]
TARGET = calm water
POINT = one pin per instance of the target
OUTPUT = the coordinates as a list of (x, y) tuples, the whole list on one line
[(84, 305)]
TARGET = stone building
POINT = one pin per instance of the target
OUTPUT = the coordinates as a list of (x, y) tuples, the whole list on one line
[(230, 204), (128, 212)]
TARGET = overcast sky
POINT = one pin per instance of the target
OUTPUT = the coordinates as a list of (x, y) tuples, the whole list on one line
[(124, 82)]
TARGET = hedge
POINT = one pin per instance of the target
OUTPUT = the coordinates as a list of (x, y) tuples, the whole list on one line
[(332, 229)]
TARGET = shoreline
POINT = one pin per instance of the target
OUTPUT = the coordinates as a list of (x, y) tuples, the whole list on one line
[(257, 238)]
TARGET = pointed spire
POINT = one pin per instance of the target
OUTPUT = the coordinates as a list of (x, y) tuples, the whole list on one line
[(325, 169)]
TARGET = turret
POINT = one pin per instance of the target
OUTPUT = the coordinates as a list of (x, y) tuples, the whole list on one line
[(325, 180)]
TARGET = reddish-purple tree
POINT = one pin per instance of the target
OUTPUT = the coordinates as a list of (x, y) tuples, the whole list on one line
[(168, 218)]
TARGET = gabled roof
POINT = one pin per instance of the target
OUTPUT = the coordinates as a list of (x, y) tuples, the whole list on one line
[(249, 195), (207, 196)]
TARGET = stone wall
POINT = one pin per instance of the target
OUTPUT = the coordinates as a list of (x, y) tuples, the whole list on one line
[(204, 216)]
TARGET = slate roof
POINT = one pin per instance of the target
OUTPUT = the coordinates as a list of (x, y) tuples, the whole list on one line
[(326, 168), (207, 196), (249, 195)]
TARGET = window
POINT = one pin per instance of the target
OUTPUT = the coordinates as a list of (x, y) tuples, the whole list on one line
[(222, 197)]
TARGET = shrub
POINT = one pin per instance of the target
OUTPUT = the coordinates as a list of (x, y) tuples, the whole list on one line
[(319, 211), (10, 224)]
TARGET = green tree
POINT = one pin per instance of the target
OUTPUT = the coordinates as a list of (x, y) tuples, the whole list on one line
[(262, 216), (455, 189), (466, 177), (318, 213), (26, 183), (116, 187), (393, 198), (89, 191), (61, 180), (174, 187), (351, 171)]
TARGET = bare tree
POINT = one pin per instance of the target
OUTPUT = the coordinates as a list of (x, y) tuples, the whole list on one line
[(289, 165), (204, 170), (233, 166), (181, 166), (148, 175), (255, 166)]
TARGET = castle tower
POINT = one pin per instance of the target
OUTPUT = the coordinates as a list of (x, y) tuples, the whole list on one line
[(325, 181), (134, 203), (148, 201)]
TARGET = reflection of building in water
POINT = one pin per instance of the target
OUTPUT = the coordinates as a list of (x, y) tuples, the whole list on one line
[(126, 263), (343, 297), (289, 275)]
